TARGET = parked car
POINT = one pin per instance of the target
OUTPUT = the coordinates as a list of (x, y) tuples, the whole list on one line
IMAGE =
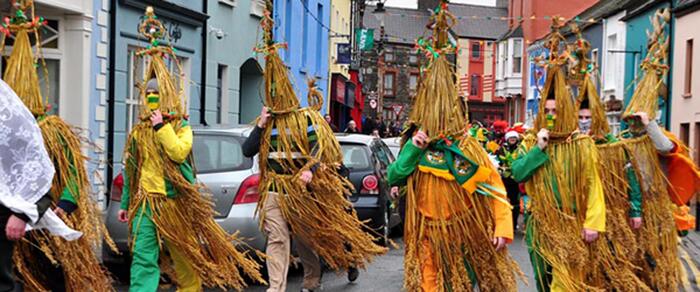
[(394, 144), (368, 158), (231, 177)]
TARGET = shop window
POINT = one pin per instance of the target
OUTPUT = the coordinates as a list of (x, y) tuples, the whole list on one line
[(135, 68), (48, 35)]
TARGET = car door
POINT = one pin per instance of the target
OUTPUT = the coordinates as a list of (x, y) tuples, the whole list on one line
[(384, 154)]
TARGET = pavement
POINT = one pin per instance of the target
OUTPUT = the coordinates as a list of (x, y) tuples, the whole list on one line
[(385, 273)]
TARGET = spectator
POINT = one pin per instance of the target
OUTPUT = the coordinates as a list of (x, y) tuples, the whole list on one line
[(330, 123), (352, 128)]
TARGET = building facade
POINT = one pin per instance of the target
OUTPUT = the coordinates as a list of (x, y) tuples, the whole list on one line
[(341, 99), (186, 23), (685, 103), (234, 73), (74, 46), (509, 74), (304, 26)]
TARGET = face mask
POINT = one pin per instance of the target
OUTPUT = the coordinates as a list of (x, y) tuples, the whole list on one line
[(153, 100), (584, 126)]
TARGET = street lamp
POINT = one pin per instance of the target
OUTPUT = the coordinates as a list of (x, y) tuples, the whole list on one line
[(380, 13)]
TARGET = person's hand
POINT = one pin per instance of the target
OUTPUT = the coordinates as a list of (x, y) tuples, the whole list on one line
[(60, 212), (643, 117), (589, 235), (156, 118), (636, 222), (542, 138), (394, 193), (420, 139), (306, 176), (15, 228), (264, 116), (123, 216), (499, 243)]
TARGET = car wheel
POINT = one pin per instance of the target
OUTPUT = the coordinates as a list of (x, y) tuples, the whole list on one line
[(385, 230)]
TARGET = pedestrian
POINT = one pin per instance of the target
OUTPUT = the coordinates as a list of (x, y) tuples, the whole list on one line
[(352, 128), (567, 207), (505, 155), (302, 192), (457, 214), (45, 261), (328, 119), (162, 202), (26, 175)]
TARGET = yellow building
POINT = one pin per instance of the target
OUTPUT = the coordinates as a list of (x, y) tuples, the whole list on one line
[(338, 103)]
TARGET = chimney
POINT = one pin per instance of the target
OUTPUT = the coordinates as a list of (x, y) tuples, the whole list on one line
[(424, 5)]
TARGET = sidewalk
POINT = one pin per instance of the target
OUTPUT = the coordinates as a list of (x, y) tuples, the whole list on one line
[(690, 260)]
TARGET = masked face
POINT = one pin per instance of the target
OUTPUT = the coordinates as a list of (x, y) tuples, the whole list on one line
[(153, 100), (584, 120)]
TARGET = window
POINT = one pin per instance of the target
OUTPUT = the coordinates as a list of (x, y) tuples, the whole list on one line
[(611, 67), (476, 51), (231, 3), (388, 56), (413, 83), (688, 81), (474, 85), (594, 58), (221, 92), (135, 68), (257, 8), (305, 34), (413, 57), (685, 133), (319, 40), (389, 79), (218, 153), (381, 154), (355, 157), (517, 56)]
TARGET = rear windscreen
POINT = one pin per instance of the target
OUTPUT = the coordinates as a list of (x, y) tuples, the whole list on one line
[(356, 156), (219, 153)]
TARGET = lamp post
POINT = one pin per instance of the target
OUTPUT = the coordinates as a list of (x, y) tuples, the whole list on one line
[(379, 12)]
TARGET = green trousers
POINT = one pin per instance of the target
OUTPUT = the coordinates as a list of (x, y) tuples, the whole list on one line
[(145, 271)]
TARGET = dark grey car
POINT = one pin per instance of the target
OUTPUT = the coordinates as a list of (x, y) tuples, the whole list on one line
[(229, 176)]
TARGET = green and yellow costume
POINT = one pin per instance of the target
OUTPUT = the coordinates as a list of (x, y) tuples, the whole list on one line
[(621, 187), (565, 190), (71, 191), (166, 206), (456, 203)]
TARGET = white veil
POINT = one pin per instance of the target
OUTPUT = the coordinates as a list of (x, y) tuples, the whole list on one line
[(26, 172)]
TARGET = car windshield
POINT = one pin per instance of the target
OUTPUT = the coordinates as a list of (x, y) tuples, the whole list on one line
[(355, 156), (218, 153)]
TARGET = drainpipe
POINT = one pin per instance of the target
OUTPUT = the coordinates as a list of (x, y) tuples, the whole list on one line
[(203, 88), (111, 94), (667, 118)]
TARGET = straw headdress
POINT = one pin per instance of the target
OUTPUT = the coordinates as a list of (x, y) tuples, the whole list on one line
[(80, 264)]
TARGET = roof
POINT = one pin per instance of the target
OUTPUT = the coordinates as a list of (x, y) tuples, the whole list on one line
[(513, 33), (686, 6), (637, 7), (354, 138), (404, 25), (601, 9)]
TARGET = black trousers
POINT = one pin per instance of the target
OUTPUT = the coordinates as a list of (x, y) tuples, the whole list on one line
[(7, 280), (514, 197)]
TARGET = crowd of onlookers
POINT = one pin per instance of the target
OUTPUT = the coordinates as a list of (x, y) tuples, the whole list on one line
[(370, 126)]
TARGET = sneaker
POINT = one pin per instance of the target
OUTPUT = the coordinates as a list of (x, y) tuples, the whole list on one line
[(353, 273), (306, 290)]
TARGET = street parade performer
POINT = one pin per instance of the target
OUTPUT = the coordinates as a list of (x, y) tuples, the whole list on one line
[(621, 187), (566, 208), (458, 219), (668, 177), (25, 184), (46, 262), (161, 200), (301, 191)]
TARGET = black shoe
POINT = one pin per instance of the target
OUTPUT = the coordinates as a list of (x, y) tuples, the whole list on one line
[(306, 290), (353, 273)]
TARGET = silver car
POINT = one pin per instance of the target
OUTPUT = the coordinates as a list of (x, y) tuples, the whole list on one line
[(229, 176)]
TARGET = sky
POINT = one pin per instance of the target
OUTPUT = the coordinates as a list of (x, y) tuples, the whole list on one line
[(414, 3)]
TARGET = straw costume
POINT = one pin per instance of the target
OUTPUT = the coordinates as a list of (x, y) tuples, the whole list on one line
[(668, 178), (621, 187), (293, 141), (565, 191), (46, 262), (165, 205), (456, 203)]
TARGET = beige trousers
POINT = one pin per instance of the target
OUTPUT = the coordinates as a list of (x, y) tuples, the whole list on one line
[(278, 248)]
